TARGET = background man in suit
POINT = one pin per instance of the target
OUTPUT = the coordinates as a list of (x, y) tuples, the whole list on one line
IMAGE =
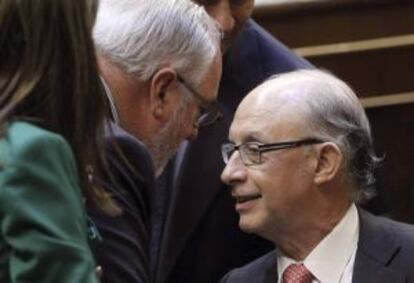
[(160, 62), (200, 238), (299, 159)]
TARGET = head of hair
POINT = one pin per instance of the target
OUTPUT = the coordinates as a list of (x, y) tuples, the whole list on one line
[(142, 36), (48, 74), (333, 112)]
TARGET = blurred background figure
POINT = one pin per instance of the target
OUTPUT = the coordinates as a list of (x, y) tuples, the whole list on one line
[(51, 118)]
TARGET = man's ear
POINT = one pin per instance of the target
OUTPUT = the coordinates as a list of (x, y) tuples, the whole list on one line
[(160, 86), (329, 161)]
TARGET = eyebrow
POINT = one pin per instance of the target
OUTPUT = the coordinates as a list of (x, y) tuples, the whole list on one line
[(251, 137)]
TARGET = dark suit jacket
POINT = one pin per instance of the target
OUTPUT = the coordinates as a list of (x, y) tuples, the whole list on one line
[(201, 240), (385, 254), (43, 236), (123, 253)]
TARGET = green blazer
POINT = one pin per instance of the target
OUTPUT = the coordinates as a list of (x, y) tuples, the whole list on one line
[(43, 237)]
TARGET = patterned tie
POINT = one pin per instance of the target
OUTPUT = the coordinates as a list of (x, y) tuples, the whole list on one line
[(297, 273)]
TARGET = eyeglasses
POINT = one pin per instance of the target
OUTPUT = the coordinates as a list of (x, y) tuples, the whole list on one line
[(251, 152), (209, 113)]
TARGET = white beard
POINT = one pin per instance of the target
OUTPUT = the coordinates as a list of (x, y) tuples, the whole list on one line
[(164, 145)]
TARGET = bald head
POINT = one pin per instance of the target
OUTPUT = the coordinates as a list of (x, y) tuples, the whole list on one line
[(310, 93), (314, 103)]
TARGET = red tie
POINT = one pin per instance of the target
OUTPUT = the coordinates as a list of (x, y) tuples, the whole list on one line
[(297, 273)]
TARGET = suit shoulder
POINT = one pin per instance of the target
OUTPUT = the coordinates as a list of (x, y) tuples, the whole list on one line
[(400, 230), (130, 166), (24, 141), (37, 164), (403, 233), (282, 58), (130, 147), (255, 271), (255, 56), (386, 243), (377, 231)]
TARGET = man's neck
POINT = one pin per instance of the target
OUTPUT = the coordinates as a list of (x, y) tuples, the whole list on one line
[(298, 243)]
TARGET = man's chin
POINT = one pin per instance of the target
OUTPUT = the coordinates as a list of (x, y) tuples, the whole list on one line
[(161, 160), (159, 171), (247, 226), (161, 164)]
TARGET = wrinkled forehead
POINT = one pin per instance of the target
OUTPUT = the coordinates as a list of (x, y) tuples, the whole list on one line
[(267, 114)]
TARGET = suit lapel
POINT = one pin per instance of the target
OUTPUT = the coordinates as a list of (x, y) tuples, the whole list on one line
[(268, 270), (376, 250), (271, 275)]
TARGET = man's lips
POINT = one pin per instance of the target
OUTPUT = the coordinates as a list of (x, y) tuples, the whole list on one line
[(245, 202), (246, 198)]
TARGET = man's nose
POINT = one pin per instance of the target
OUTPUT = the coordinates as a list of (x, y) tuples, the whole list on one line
[(234, 171), (222, 13)]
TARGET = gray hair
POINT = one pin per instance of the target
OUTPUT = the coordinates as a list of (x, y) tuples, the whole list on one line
[(141, 36), (333, 113)]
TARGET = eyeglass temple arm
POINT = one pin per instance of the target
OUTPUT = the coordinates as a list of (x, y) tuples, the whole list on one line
[(273, 146)]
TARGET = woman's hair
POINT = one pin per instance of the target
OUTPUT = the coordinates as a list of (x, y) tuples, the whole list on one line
[(49, 76)]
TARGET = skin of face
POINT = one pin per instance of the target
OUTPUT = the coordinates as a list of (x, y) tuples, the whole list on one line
[(163, 145), (281, 188), (180, 124), (231, 16)]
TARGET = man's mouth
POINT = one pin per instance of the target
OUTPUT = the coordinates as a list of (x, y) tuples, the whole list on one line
[(245, 202), (243, 199)]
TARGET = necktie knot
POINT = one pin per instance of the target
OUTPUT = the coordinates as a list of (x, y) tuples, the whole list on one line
[(297, 273)]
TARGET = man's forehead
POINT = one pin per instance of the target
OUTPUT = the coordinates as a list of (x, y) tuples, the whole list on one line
[(247, 128), (263, 113), (251, 120), (263, 101)]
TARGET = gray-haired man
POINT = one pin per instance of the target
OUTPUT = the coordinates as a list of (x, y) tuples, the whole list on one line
[(160, 62)]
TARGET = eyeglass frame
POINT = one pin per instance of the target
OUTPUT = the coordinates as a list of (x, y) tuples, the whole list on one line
[(212, 108), (226, 153)]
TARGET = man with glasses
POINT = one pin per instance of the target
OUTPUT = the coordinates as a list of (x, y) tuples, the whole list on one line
[(299, 161), (160, 64), (209, 113), (251, 152)]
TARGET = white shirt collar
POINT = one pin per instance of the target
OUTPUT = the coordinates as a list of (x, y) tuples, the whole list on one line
[(329, 259)]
